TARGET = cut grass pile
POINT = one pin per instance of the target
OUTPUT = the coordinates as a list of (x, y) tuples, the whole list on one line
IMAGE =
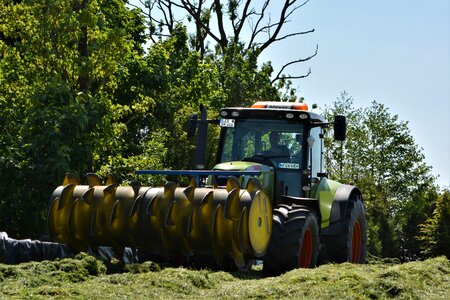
[(86, 277)]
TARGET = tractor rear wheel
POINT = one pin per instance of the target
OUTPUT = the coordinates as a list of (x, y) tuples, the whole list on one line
[(294, 242), (350, 246)]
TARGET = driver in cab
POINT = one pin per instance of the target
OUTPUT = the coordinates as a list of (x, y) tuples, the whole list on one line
[(277, 149)]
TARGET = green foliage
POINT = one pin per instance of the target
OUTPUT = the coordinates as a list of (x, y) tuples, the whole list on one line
[(381, 157), (157, 94), (59, 62), (79, 94), (35, 159), (85, 278), (55, 273), (435, 232), (242, 82)]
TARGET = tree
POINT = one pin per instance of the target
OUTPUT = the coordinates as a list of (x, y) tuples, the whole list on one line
[(54, 103), (435, 232), (381, 157), (223, 24)]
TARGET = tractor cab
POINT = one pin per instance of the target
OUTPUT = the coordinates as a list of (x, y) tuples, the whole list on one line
[(283, 136)]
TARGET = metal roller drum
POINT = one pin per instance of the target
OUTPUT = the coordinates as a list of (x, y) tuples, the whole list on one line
[(165, 220)]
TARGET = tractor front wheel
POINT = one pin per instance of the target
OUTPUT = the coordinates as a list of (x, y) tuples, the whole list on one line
[(294, 242)]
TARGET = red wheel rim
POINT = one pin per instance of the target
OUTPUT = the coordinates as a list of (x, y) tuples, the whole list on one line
[(356, 243), (306, 250)]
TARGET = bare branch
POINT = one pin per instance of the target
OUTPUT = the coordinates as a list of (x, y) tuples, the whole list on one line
[(237, 27), (168, 16), (240, 12), (255, 28), (293, 34), (284, 77), (280, 76), (295, 8), (223, 37), (198, 21), (197, 17), (281, 22), (267, 29), (286, 12)]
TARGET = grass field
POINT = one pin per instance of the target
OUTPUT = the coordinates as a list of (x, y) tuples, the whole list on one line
[(86, 277)]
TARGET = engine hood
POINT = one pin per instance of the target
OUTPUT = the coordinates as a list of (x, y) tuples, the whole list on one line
[(266, 177)]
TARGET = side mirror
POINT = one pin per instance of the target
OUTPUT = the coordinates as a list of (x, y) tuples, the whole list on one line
[(340, 128)]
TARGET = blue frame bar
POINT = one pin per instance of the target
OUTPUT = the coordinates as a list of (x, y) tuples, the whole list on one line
[(197, 173)]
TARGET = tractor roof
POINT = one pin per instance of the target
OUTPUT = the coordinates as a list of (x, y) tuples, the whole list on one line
[(274, 110)]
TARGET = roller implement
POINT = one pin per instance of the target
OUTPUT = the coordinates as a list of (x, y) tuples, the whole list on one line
[(267, 198)]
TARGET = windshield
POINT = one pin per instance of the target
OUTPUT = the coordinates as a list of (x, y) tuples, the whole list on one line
[(276, 141)]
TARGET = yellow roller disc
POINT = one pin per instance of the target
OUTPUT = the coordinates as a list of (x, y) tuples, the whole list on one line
[(260, 223)]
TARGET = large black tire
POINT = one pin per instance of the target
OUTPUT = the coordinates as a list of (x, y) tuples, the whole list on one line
[(294, 242), (350, 245)]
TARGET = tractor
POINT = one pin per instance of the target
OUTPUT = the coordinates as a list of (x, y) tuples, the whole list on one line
[(266, 199)]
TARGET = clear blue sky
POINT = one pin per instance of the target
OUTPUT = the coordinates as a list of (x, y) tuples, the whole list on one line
[(396, 52)]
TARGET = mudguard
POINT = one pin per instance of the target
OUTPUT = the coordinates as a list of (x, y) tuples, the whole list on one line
[(343, 195), (325, 192)]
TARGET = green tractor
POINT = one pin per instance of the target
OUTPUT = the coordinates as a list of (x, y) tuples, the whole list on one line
[(267, 198)]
